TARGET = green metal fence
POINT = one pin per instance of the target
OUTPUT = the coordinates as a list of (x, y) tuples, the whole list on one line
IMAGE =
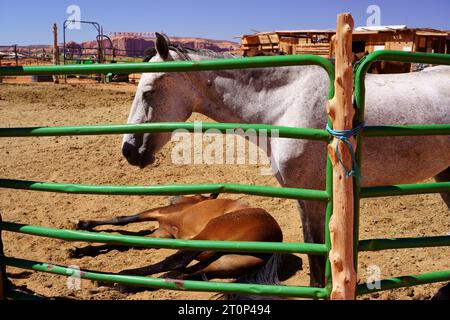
[(385, 191), (292, 193), (178, 66)]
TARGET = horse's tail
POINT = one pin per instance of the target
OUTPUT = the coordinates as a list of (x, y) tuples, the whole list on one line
[(267, 274)]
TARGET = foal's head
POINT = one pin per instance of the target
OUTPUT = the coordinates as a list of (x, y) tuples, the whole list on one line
[(192, 199)]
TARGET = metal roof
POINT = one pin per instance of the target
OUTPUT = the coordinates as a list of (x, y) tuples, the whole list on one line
[(382, 28)]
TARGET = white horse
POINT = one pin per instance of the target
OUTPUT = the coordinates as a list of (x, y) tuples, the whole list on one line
[(296, 97)]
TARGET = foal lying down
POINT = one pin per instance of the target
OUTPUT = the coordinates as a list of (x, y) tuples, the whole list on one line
[(208, 218)]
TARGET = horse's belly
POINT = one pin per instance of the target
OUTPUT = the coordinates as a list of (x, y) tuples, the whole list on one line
[(401, 160)]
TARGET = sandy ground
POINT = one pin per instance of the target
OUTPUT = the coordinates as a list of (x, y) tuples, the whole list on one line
[(97, 160)]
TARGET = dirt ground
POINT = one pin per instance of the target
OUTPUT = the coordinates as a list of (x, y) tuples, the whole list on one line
[(97, 160)]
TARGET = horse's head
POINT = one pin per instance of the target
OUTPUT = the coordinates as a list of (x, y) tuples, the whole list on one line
[(160, 97)]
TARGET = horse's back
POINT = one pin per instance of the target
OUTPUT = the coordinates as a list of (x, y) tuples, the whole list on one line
[(401, 99), (413, 98), (391, 99)]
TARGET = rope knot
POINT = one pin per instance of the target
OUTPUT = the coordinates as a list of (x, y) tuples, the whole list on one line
[(344, 135)]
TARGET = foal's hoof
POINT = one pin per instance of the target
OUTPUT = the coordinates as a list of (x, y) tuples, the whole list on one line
[(129, 289), (102, 284), (81, 225), (74, 253)]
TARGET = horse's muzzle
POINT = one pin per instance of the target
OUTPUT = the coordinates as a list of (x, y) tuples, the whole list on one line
[(136, 157)]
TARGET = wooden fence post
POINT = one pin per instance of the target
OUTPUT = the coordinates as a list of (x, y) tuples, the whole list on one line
[(341, 111), (16, 55), (55, 51)]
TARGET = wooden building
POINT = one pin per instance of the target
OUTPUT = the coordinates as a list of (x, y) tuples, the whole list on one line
[(317, 42), (365, 39), (369, 39)]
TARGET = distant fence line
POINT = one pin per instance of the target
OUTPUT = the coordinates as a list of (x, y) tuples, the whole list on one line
[(31, 52)]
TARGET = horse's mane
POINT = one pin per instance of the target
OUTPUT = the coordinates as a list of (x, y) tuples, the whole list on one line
[(212, 54), (184, 52)]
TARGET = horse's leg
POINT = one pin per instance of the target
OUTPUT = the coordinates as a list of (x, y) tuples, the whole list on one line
[(313, 222), (444, 176), (306, 170), (117, 221)]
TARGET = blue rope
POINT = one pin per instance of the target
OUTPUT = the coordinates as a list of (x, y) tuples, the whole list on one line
[(344, 135)]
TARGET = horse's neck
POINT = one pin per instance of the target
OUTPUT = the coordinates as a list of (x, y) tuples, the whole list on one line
[(268, 96)]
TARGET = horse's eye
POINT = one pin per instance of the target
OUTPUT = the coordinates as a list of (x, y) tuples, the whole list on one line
[(148, 94)]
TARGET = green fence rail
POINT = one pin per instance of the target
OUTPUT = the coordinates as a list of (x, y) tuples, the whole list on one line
[(282, 132), (188, 285), (384, 191), (166, 190), (228, 246), (405, 281), (136, 241), (403, 243)]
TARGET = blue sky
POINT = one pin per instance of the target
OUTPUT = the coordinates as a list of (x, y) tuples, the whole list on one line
[(29, 22)]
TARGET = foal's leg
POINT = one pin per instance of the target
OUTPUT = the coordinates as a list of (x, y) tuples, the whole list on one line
[(177, 261), (117, 221), (226, 266), (174, 264), (93, 251), (443, 293)]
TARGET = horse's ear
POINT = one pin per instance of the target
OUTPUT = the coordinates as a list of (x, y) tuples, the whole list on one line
[(176, 199), (162, 45)]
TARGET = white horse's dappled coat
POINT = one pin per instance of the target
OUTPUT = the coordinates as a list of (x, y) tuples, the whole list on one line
[(296, 97)]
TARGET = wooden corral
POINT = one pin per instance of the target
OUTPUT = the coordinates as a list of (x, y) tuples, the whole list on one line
[(365, 39)]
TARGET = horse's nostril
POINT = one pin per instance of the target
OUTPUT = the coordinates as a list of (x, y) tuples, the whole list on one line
[(131, 153), (126, 151)]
